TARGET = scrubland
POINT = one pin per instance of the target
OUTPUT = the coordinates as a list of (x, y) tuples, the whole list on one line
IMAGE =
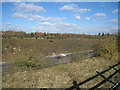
[(58, 76)]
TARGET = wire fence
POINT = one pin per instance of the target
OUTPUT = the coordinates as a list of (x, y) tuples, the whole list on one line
[(46, 62)]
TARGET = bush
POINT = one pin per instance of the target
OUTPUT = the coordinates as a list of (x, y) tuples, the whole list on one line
[(107, 49), (31, 62), (50, 41)]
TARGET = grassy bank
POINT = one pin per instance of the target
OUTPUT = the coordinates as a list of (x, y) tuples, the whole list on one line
[(22, 49), (60, 76)]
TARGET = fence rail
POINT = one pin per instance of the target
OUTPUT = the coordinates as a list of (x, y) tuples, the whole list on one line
[(106, 79)]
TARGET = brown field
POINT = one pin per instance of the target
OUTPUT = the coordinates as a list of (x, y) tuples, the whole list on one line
[(59, 76)]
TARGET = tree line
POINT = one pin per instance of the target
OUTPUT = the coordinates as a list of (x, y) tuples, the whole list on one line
[(39, 35)]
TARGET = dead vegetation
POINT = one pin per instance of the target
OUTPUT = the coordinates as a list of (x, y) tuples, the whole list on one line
[(60, 76)]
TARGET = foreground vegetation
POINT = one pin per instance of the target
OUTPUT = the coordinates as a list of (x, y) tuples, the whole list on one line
[(60, 76)]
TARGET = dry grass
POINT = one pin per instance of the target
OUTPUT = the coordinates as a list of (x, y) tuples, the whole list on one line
[(60, 76), (39, 48)]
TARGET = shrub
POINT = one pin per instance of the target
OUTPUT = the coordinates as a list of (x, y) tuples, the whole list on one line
[(31, 62), (50, 40), (107, 49)]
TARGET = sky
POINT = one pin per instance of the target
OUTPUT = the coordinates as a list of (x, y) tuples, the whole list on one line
[(60, 17), (60, 0)]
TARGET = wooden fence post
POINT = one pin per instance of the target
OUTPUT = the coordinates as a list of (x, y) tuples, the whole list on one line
[(76, 85)]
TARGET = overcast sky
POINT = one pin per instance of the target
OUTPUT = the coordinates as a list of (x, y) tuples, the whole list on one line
[(61, 17)]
